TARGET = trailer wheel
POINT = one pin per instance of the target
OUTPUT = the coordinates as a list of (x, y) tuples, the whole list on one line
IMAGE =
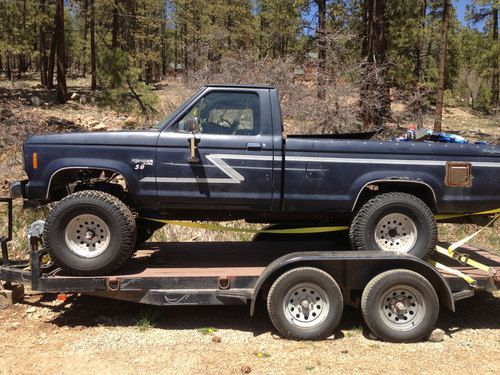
[(400, 306), (90, 233), (145, 230), (305, 304), (394, 222)]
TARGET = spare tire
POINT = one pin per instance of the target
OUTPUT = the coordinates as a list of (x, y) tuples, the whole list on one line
[(90, 233), (397, 222)]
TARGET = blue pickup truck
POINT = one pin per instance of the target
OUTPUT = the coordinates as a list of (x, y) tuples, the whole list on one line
[(222, 156)]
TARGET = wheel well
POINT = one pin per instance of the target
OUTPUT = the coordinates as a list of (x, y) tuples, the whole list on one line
[(417, 188), (69, 180)]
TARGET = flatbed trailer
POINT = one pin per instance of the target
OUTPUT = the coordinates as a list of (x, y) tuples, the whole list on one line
[(298, 279)]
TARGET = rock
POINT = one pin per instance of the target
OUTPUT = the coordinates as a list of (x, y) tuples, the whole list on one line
[(437, 335), (36, 101), (246, 369), (372, 336), (93, 123), (6, 113), (99, 127), (74, 96), (31, 310), (130, 121), (61, 123), (9, 122), (216, 339), (83, 100)]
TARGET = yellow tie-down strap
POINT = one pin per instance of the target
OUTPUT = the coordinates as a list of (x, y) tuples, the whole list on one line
[(462, 258), (450, 252), (223, 228)]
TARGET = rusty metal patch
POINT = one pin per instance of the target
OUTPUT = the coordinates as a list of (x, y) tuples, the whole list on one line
[(458, 174)]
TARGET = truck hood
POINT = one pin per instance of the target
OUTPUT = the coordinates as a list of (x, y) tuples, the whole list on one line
[(116, 138)]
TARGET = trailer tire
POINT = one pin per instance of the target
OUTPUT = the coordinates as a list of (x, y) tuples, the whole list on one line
[(90, 233), (305, 304), (400, 306), (145, 230), (394, 222)]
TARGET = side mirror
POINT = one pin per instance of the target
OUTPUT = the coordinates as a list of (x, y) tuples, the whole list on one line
[(192, 125)]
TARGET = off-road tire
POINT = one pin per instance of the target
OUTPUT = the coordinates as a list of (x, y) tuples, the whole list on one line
[(362, 229), (116, 215), (277, 296), (373, 304)]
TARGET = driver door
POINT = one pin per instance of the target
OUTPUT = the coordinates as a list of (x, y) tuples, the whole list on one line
[(233, 163)]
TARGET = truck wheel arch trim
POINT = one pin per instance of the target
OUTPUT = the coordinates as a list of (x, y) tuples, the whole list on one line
[(321, 260), (399, 181), (78, 168)]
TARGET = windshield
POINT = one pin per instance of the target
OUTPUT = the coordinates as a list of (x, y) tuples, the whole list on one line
[(169, 118)]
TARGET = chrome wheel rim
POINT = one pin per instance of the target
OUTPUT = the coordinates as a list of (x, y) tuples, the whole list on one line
[(87, 235), (402, 308), (306, 305), (396, 232)]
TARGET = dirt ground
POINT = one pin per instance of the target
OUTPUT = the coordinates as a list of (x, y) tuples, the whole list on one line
[(87, 335)]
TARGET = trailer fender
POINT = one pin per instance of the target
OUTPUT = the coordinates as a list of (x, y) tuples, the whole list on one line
[(352, 270)]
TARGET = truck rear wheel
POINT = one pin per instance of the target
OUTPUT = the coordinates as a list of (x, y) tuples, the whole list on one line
[(305, 304), (394, 222), (400, 306), (90, 233)]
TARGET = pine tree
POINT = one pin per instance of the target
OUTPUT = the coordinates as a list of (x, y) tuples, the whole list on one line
[(441, 67)]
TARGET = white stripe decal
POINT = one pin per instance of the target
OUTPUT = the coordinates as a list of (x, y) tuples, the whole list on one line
[(384, 161), (235, 178)]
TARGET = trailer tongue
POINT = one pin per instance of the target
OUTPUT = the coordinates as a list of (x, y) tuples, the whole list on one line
[(305, 284)]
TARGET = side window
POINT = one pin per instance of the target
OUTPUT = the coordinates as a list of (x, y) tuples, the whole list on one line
[(235, 113)]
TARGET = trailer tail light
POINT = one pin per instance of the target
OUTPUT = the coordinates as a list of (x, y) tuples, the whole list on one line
[(62, 297), (35, 160)]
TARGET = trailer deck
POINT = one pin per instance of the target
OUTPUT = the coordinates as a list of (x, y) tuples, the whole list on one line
[(240, 263)]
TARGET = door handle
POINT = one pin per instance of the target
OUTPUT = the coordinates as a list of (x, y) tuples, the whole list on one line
[(255, 146)]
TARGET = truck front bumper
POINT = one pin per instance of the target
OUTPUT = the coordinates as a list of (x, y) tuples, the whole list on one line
[(18, 191)]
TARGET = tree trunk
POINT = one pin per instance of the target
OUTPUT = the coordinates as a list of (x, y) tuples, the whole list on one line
[(164, 62), (93, 57), (418, 63), (84, 46), (441, 66), (176, 57), (115, 26), (375, 97), (321, 36), (42, 47), (495, 79), (52, 61), (62, 90)]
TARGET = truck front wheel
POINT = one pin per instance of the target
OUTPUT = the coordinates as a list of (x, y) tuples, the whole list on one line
[(394, 222), (90, 233)]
